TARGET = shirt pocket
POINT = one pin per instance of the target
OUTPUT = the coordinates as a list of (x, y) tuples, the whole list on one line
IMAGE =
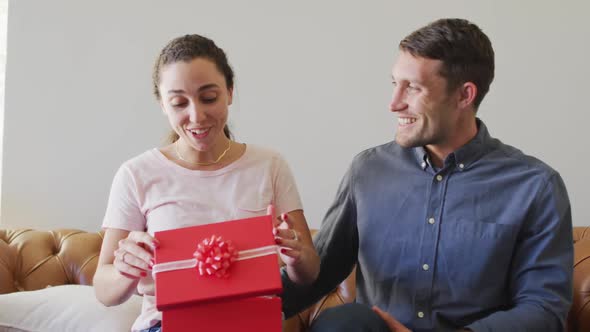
[(252, 206), (474, 253)]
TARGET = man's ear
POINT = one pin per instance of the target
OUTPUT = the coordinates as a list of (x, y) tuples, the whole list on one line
[(467, 94)]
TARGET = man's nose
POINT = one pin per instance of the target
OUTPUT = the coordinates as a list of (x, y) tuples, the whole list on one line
[(398, 100)]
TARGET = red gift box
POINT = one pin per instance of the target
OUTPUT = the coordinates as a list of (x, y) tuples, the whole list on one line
[(241, 300)]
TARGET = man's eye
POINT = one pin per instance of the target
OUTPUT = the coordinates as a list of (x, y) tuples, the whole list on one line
[(208, 100)]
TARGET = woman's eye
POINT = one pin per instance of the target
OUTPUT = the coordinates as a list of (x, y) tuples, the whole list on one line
[(208, 100), (209, 97), (177, 102)]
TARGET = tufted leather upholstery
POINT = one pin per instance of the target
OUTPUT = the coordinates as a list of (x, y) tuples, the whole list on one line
[(31, 260), (579, 316)]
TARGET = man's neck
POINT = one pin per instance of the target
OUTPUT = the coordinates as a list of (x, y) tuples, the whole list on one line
[(464, 133)]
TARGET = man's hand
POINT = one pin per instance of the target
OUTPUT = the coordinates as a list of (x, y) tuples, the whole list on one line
[(393, 324)]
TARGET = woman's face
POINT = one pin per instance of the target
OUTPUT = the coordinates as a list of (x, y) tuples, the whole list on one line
[(195, 97)]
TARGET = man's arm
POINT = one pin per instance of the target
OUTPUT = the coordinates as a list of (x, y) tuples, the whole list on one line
[(542, 268), (337, 246)]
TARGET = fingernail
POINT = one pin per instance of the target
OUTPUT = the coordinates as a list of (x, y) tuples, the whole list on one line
[(285, 216), (152, 262), (283, 250), (143, 274), (155, 245), (278, 240), (270, 210)]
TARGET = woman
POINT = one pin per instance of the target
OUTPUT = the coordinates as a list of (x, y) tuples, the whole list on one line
[(201, 176)]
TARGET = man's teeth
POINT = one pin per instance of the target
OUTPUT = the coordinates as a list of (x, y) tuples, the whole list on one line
[(405, 121)]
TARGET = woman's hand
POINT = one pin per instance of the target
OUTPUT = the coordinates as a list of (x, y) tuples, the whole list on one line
[(296, 247), (134, 256)]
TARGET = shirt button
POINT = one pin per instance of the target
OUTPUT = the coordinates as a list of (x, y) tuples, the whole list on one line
[(420, 314), (431, 221), (423, 164), (425, 267), (461, 166), (439, 177)]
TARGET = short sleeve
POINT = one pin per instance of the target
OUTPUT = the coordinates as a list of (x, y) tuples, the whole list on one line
[(285, 189), (123, 208)]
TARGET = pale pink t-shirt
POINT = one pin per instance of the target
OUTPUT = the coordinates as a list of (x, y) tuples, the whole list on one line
[(151, 193)]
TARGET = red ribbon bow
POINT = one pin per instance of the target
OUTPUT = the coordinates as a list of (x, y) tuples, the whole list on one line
[(215, 256)]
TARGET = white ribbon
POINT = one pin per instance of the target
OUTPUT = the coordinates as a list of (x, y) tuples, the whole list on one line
[(192, 263)]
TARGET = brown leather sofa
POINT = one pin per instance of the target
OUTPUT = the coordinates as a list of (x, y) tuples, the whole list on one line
[(31, 260)]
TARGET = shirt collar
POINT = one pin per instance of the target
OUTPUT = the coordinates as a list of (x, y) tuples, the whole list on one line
[(465, 155)]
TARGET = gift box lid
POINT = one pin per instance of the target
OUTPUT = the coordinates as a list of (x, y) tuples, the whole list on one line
[(258, 275)]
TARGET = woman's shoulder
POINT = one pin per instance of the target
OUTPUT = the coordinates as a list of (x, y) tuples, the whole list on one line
[(146, 160), (263, 153)]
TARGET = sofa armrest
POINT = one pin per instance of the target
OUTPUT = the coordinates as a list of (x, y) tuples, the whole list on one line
[(579, 315), (31, 260), (344, 293)]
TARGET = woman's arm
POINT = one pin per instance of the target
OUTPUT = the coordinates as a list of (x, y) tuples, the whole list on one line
[(297, 250), (125, 257)]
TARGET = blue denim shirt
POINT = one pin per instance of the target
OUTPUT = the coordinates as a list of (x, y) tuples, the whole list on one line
[(485, 242)]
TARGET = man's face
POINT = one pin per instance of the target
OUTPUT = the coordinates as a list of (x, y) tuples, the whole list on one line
[(426, 112)]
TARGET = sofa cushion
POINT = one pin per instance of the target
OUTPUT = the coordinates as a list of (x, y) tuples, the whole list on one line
[(64, 308)]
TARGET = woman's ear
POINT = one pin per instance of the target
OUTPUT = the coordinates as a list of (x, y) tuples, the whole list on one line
[(230, 98)]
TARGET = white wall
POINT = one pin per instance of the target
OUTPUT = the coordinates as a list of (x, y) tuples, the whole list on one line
[(313, 81)]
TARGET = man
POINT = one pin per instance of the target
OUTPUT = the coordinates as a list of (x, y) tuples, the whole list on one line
[(449, 228)]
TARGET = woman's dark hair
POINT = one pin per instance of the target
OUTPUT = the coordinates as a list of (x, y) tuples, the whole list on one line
[(186, 49)]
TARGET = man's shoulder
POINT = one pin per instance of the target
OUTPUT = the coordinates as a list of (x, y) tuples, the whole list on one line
[(388, 156), (511, 156), (379, 151)]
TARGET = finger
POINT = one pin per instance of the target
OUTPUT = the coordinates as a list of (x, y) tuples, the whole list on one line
[(127, 258), (137, 262), (289, 244), (391, 322), (270, 210), (286, 233), (289, 221), (290, 253), (145, 239), (127, 270), (290, 257), (136, 254)]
